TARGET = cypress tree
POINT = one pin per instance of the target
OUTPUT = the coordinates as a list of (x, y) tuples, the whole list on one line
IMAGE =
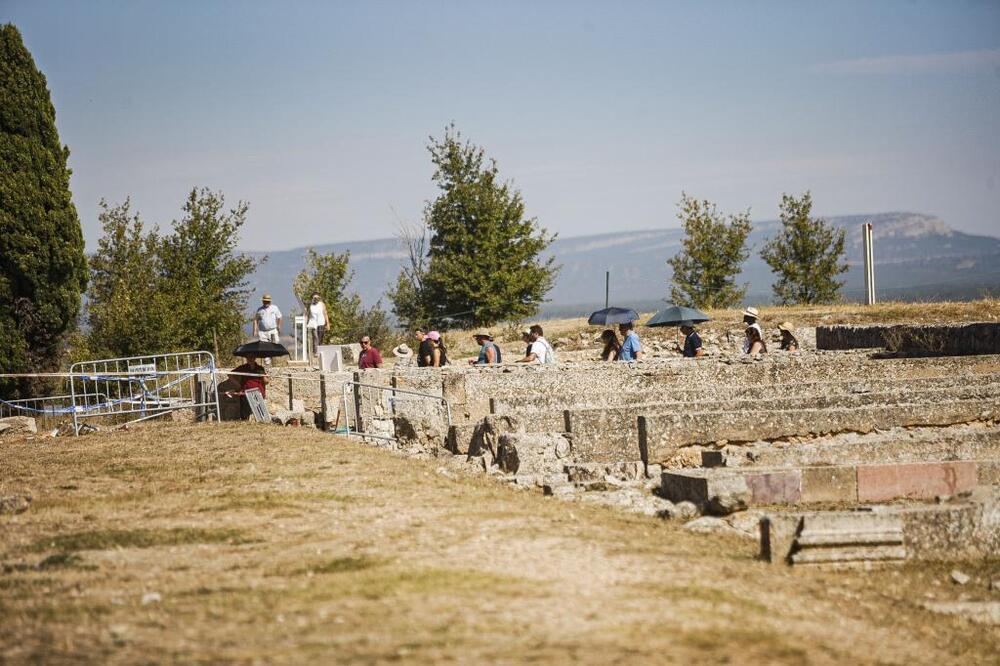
[(43, 268)]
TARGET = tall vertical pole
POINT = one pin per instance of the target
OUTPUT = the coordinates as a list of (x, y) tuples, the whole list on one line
[(869, 264), (322, 401), (607, 287)]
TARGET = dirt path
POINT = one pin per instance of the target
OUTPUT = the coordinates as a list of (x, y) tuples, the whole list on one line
[(246, 543)]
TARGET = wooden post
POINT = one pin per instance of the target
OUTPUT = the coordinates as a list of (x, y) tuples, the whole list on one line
[(322, 401), (290, 408)]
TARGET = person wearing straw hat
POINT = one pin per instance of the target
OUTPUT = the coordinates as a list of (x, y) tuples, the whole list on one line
[(489, 353), (267, 323), (692, 341), (753, 335), (403, 354), (788, 341)]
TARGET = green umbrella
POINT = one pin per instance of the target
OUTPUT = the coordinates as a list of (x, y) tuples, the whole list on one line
[(675, 314)]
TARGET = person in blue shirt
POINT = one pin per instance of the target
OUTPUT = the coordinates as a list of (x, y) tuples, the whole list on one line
[(631, 347), (489, 353), (692, 341)]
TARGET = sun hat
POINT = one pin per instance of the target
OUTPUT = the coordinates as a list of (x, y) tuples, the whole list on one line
[(402, 351), (265, 297), (785, 326), (525, 333), (752, 312), (434, 335), (483, 334)]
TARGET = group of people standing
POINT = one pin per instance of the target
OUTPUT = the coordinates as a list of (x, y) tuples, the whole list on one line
[(432, 352), (753, 335)]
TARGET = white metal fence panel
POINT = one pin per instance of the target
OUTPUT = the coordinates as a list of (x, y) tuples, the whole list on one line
[(143, 387)]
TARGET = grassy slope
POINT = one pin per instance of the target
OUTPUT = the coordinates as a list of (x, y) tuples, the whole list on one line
[(290, 545)]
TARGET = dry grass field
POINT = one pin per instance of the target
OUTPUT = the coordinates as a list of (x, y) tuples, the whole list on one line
[(238, 543)]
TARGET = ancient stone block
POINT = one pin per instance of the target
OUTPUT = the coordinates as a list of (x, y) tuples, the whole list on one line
[(988, 472), (530, 453), (829, 484), (17, 425), (718, 493), (877, 483), (775, 487)]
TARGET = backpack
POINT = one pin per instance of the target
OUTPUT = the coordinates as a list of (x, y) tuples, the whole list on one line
[(550, 353)]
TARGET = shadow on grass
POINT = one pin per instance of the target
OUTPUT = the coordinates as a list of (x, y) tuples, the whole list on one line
[(140, 538)]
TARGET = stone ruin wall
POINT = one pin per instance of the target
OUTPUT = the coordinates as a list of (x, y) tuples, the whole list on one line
[(952, 340)]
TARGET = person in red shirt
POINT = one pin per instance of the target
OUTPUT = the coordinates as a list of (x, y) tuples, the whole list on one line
[(370, 356), (250, 375)]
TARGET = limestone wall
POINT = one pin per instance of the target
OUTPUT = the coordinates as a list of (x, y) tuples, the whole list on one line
[(958, 339)]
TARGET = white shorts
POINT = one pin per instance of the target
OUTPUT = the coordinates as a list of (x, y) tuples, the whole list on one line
[(269, 336)]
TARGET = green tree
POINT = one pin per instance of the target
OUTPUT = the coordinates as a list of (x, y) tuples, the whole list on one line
[(184, 291), (204, 276), (329, 274), (128, 312), (483, 261), (43, 269), (712, 254), (807, 255)]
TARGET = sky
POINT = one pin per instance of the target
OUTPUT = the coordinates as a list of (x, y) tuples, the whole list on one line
[(601, 113)]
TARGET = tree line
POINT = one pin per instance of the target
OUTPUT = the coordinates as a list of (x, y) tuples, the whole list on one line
[(476, 258)]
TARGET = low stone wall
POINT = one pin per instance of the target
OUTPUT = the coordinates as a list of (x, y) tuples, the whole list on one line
[(953, 340), (836, 483), (470, 390), (660, 436), (602, 432), (549, 401), (931, 445)]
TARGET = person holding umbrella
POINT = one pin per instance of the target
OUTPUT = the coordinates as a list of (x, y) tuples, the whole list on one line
[(250, 375), (631, 347), (692, 341)]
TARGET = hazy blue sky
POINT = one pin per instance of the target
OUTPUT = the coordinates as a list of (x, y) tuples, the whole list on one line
[(318, 113)]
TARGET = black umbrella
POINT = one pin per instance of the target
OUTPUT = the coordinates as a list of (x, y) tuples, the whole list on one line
[(612, 316), (675, 314), (261, 349)]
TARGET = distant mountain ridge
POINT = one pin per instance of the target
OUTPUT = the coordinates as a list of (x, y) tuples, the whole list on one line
[(916, 257)]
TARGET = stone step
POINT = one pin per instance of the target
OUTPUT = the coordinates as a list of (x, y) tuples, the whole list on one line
[(716, 488), (965, 527), (661, 435), (910, 445)]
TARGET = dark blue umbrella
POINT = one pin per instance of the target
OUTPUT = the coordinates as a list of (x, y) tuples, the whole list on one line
[(675, 314), (612, 316)]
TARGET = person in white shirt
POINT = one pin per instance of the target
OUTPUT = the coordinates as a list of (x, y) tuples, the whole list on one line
[(540, 350), (267, 323), (753, 336), (316, 321)]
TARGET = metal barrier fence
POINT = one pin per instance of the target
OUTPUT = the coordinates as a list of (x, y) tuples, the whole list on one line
[(47, 409), (369, 410), (144, 387)]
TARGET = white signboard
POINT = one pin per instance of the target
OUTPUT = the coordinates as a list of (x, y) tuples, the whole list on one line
[(142, 369)]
